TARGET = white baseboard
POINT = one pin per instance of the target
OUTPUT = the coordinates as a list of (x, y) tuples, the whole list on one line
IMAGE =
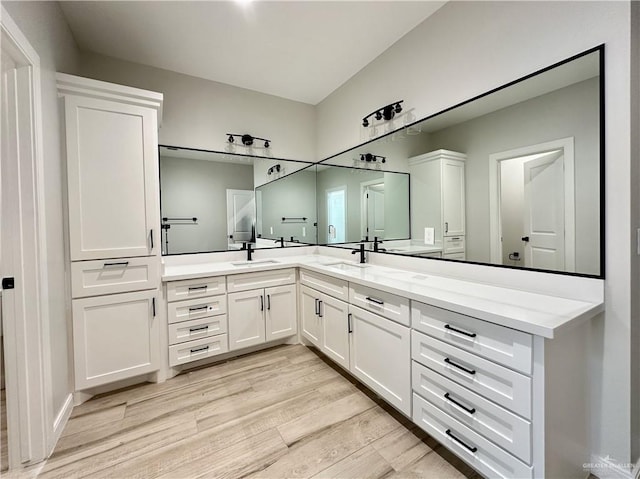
[(61, 420), (606, 468)]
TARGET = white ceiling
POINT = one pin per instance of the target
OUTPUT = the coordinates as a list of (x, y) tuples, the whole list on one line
[(300, 50)]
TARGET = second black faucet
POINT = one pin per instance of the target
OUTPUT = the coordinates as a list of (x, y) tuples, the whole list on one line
[(361, 251)]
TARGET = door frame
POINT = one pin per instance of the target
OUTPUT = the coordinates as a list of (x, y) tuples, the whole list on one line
[(27, 348), (565, 144)]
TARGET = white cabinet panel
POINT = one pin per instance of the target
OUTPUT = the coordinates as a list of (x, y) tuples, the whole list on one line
[(385, 304), (310, 320), (246, 319), (112, 169), (504, 428), (481, 454), (453, 197), (503, 386), (262, 279), (454, 244), (196, 288), (114, 337), (503, 345), (196, 308), (197, 329), (334, 319), (338, 288), (380, 357), (92, 278), (281, 312), (198, 349)]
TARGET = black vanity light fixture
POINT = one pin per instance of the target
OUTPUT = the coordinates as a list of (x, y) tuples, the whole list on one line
[(369, 157), (275, 168), (387, 112), (247, 140)]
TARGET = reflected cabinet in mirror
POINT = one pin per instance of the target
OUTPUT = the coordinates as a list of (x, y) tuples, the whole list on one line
[(510, 178), (208, 200)]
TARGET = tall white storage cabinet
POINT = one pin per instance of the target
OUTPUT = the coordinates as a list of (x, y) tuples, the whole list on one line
[(114, 228), (438, 185)]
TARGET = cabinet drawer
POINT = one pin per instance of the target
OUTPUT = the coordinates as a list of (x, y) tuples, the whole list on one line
[(504, 428), (337, 288), (385, 304), (93, 278), (263, 279), (497, 383), (503, 345), (481, 454), (453, 244), (197, 308), (198, 349), (197, 329), (195, 288)]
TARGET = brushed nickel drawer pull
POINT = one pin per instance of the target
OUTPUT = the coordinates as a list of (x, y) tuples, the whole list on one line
[(198, 308), (198, 329), (200, 350), (448, 433), (448, 397), (462, 368), (374, 300), (451, 328)]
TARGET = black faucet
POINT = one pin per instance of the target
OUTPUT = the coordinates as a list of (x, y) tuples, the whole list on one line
[(281, 241), (376, 242), (361, 251), (293, 240), (249, 251)]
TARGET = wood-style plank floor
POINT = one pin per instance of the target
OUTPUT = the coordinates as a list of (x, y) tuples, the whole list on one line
[(4, 453), (280, 413)]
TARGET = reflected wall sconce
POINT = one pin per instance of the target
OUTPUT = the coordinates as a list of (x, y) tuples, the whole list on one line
[(368, 157), (274, 168), (247, 140), (387, 112)]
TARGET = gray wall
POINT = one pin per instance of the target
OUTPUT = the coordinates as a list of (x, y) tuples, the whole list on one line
[(46, 29), (197, 188), (198, 113), (570, 111)]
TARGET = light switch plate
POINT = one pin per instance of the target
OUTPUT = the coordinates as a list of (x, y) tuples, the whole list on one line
[(429, 236)]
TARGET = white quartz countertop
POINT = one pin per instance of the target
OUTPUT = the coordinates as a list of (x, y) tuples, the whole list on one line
[(534, 313)]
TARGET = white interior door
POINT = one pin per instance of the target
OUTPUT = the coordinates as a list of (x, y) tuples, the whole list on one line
[(374, 211), (544, 212), (240, 215), (336, 215)]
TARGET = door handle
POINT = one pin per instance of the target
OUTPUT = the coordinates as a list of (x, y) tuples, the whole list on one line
[(317, 306), (320, 308), (261, 303), (446, 227), (151, 235), (268, 302), (349, 329), (525, 239)]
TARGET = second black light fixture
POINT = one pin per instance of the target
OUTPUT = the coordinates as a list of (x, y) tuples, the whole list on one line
[(387, 112)]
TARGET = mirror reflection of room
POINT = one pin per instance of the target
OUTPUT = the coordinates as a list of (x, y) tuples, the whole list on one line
[(208, 200), (511, 178)]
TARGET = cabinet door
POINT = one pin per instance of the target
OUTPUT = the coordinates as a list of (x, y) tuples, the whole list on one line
[(115, 337), (281, 312), (453, 197), (380, 357), (335, 329), (310, 321), (112, 169), (246, 318)]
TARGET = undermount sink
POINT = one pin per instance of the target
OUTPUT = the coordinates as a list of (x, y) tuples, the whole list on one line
[(346, 265), (258, 262)]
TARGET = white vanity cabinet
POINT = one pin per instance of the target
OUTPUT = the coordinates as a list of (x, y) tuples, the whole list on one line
[(197, 319), (113, 238), (438, 180), (264, 314), (358, 335), (507, 402)]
